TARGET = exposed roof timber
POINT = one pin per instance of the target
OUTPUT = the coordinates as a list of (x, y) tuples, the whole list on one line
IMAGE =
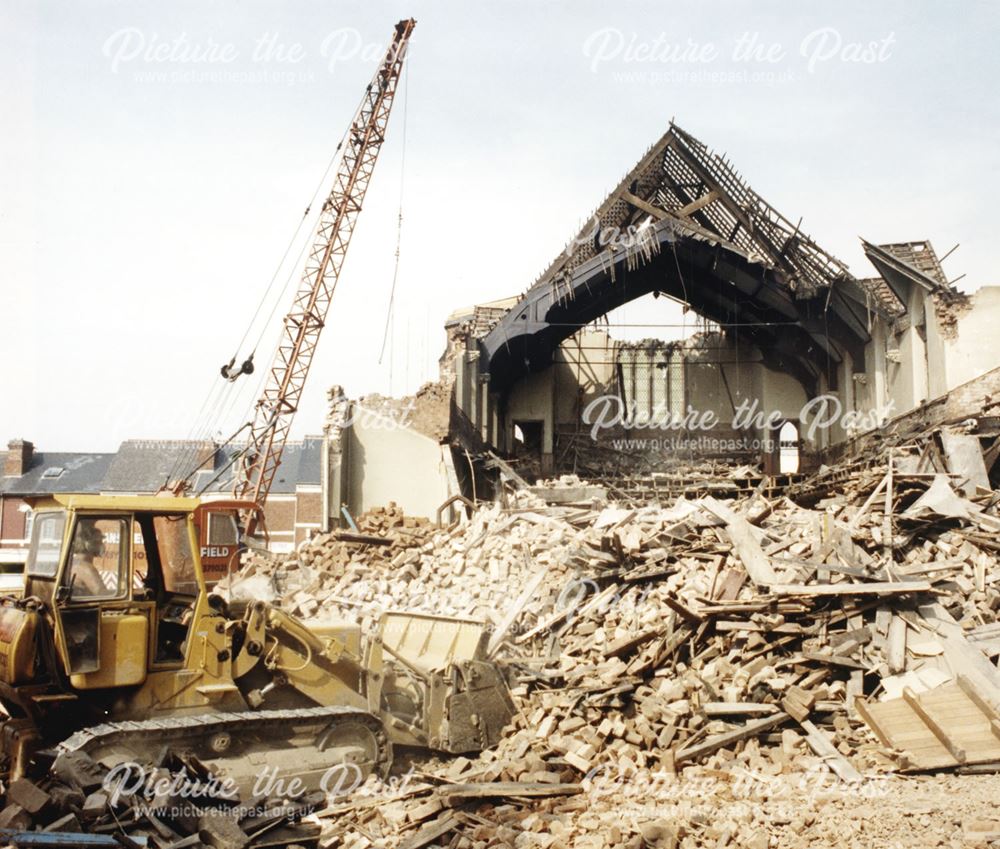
[(897, 272), (874, 296), (766, 231), (721, 204), (919, 255), (654, 153), (525, 339), (743, 262), (695, 205)]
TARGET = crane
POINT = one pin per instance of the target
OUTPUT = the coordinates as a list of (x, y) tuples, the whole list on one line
[(276, 407)]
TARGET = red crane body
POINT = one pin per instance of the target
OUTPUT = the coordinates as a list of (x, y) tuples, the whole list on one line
[(304, 322)]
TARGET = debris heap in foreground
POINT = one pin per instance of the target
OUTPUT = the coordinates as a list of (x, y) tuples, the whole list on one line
[(704, 672)]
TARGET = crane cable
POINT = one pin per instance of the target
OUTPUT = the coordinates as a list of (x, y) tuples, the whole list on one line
[(288, 249), (215, 410), (399, 218), (205, 420)]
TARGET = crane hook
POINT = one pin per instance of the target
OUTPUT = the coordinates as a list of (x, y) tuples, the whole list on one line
[(231, 374)]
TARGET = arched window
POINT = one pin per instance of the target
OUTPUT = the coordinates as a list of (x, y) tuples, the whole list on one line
[(788, 448)]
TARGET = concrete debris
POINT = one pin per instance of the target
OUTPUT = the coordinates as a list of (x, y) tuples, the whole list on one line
[(384, 536), (673, 644)]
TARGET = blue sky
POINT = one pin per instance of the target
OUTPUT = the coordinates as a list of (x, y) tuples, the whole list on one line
[(157, 156)]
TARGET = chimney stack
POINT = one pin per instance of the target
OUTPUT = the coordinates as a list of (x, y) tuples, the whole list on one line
[(19, 455)]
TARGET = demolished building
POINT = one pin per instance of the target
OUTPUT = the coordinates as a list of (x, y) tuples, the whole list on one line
[(789, 332), (687, 671)]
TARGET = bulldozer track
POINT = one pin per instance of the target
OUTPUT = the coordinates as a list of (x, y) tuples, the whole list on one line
[(191, 729)]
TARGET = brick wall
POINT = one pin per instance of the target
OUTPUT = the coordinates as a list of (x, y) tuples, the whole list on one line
[(308, 513), (12, 519)]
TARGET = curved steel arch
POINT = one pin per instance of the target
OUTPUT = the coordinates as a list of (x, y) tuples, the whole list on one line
[(804, 336), (696, 232)]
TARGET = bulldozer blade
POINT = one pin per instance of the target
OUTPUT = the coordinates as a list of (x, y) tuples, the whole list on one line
[(438, 687)]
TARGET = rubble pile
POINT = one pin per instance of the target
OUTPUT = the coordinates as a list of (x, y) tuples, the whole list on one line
[(703, 637), (692, 673), (428, 410), (296, 581)]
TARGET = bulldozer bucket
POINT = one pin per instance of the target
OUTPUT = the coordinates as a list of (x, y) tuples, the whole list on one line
[(429, 642), (437, 687)]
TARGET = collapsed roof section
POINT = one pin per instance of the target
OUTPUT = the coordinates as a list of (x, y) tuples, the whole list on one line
[(680, 180), (906, 266), (683, 222)]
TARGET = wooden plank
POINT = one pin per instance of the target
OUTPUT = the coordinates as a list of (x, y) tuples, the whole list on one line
[(855, 689), (645, 206), (822, 746), (958, 725), (984, 707), (937, 729), (515, 610), (732, 583), (740, 708), (707, 198), (670, 645), (851, 588), (522, 789), (431, 832), (507, 471), (719, 741), (962, 656), (685, 612), (740, 531), (814, 566), (887, 516), (856, 519), (723, 625), (861, 706), (361, 539), (835, 659), (558, 617), (628, 644), (896, 645)]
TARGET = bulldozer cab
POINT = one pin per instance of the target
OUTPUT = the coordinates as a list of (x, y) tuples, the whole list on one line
[(122, 578), (221, 540)]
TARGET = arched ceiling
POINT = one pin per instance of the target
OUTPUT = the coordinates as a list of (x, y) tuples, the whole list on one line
[(683, 223)]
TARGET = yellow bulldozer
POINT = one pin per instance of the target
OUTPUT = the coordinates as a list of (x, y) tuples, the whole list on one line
[(118, 650)]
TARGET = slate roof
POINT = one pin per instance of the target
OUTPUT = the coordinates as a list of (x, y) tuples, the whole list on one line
[(81, 472), (300, 465), (143, 466)]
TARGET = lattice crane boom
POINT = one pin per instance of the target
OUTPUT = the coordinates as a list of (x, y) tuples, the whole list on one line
[(303, 324)]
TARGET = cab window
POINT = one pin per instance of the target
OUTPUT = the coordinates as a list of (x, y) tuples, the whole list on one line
[(46, 545), (176, 557), (222, 529), (97, 552)]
